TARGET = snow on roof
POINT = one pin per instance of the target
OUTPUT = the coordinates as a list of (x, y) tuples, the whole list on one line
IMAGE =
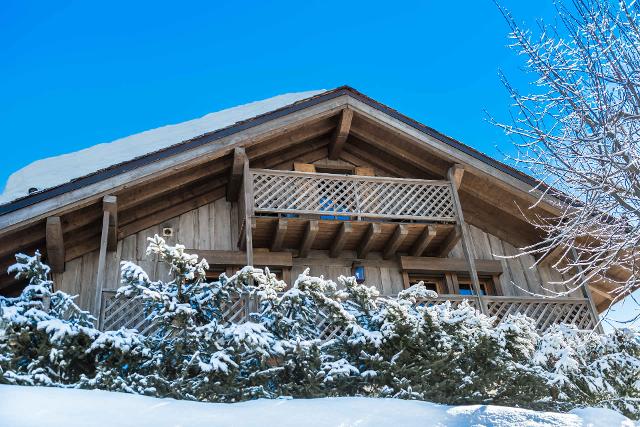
[(53, 171)]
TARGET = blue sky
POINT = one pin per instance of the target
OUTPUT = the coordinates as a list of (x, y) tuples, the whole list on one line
[(74, 73)]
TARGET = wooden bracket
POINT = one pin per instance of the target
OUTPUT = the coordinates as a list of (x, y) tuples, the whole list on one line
[(399, 235), (346, 229), (278, 236), (235, 176), (369, 238), (55, 244), (423, 241), (341, 134), (310, 233)]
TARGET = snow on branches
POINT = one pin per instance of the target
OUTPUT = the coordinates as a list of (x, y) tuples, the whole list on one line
[(315, 338), (578, 130)]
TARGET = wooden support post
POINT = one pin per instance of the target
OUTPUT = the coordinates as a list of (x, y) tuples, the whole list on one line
[(401, 232), (369, 238), (235, 176), (587, 294), (278, 235), (55, 244), (248, 210), (341, 238), (454, 175), (102, 266), (341, 134), (423, 241), (310, 233), (110, 204)]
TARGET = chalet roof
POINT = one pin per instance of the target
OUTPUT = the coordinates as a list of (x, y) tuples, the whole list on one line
[(56, 175), (53, 171)]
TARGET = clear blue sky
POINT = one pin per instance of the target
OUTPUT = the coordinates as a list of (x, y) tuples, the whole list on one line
[(77, 73)]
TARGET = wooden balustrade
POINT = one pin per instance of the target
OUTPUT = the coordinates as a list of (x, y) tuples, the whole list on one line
[(129, 313), (349, 196)]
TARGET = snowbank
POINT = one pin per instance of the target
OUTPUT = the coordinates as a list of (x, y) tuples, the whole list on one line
[(54, 171), (38, 406)]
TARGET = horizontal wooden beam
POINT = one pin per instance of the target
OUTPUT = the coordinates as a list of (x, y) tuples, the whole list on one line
[(345, 230), (238, 258), (448, 265), (341, 134), (55, 244), (399, 235)]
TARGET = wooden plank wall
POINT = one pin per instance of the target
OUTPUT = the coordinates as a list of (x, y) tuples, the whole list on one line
[(208, 227), (214, 226)]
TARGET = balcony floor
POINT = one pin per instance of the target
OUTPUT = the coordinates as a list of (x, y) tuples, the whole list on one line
[(265, 228)]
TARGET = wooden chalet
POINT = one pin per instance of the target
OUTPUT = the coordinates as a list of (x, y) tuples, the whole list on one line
[(336, 182)]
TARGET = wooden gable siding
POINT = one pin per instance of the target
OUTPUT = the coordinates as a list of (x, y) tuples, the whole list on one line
[(214, 227)]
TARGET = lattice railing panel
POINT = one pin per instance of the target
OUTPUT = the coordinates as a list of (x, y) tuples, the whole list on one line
[(290, 192), (129, 313), (545, 312)]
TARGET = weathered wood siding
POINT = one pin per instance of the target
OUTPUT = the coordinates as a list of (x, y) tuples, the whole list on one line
[(214, 226)]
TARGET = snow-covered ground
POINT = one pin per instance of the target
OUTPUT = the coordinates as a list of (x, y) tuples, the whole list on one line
[(54, 171), (52, 407)]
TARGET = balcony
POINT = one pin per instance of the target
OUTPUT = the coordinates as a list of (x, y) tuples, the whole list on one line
[(304, 211), (129, 313)]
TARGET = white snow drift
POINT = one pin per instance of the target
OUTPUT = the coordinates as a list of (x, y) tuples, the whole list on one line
[(53, 407), (53, 171)]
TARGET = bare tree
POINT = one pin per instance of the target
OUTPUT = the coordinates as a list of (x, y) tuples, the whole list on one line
[(578, 131)]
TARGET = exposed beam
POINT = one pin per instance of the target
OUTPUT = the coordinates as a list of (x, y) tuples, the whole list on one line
[(450, 241), (310, 233), (238, 258), (399, 235), (467, 242), (278, 236), (110, 205), (423, 241), (55, 244), (368, 240), (235, 176), (553, 255), (600, 292), (346, 229), (457, 172), (341, 134), (454, 265)]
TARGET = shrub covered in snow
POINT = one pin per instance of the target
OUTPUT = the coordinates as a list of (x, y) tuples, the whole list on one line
[(312, 339)]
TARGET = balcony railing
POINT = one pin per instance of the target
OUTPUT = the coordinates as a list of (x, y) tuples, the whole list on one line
[(349, 196), (129, 313)]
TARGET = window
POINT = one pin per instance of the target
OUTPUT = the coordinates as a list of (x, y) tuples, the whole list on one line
[(431, 282), (465, 286)]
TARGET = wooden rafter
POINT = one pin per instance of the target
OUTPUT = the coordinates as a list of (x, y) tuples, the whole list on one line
[(421, 244), (399, 235), (55, 244), (310, 233), (345, 230), (369, 239), (278, 236), (341, 134)]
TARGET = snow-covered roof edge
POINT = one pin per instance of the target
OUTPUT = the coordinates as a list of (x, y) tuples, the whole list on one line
[(54, 171)]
